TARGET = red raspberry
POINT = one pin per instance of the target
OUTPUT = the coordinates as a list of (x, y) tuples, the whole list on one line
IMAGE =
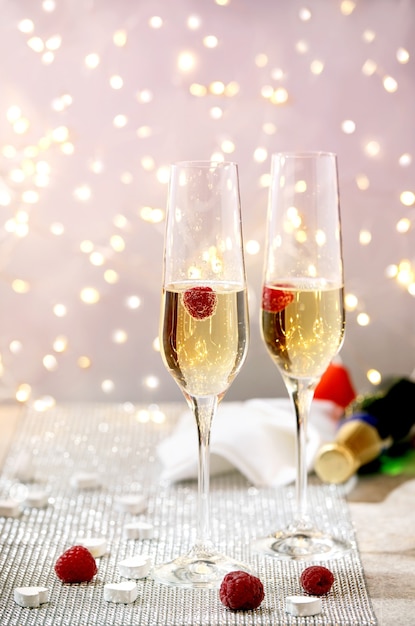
[(76, 565), (241, 591), (200, 302), (275, 300), (317, 580)]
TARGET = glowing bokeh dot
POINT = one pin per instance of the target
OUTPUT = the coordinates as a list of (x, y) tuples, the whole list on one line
[(365, 237), (363, 319), (348, 127), (90, 295), (374, 376), (84, 362), (119, 336), (405, 159), (407, 198), (107, 385), (59, 310), (15, 346), (155, 22), (403, 225), (252, 247), (133, 302), (351, 301), (60, 343), (50, 363), (152, 382), (120, 38)]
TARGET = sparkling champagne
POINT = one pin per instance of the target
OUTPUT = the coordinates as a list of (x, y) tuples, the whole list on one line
[(303, 326), (204, 336)]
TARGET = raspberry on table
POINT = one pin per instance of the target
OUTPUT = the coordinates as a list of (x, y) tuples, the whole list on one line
[(241, 591), (76, 565), (317, 580), (200, 302)]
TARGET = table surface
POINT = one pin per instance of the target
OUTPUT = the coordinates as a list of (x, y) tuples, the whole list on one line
[(382, 512)]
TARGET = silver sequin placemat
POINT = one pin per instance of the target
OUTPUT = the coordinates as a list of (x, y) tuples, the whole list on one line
[(117, 443)]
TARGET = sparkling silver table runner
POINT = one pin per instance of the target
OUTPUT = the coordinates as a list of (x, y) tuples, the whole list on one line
[(118, 444)]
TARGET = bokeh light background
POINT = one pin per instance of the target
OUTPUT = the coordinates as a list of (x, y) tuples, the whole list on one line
[(99, 96)]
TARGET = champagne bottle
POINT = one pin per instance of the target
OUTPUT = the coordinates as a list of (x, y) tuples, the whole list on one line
[(371, 424)]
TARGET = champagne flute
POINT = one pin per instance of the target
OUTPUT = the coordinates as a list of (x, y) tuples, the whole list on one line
[(302, 314), (203, 328)]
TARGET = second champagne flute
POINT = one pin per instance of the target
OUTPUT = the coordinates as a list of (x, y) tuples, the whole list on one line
[(302, 316), (204, 327)]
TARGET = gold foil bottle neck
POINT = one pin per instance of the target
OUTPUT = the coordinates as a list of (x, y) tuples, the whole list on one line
[(356, 444), (335, 463)]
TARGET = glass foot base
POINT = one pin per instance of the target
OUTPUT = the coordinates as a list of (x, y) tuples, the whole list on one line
[(301, 545), (197, 570)]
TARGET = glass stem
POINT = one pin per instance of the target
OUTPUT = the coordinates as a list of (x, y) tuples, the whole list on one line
[(301, 393), (204, 409)]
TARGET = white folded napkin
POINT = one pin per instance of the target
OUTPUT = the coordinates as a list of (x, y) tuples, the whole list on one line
[(256, 437)]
